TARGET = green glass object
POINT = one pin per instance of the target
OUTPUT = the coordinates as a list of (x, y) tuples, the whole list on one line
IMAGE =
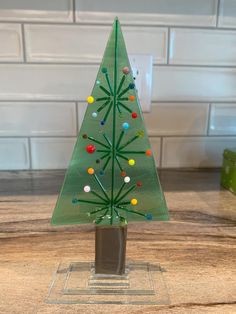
[(228, 171), (112, 178)]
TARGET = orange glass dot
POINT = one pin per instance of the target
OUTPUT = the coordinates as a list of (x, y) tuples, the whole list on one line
[(123, 173), (148, 152), (131, 97), (90, 171)]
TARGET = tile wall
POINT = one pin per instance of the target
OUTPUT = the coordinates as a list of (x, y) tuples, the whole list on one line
[(49, 56)]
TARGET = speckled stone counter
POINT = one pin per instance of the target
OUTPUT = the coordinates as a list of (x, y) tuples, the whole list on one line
[(196, 249)]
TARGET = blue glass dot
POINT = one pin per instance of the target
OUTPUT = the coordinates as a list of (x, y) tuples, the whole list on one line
[(125, 125), (104, 70), (131, 85), (94, 114), (101, 173), (149, 216), (74, 201), (102, 122)]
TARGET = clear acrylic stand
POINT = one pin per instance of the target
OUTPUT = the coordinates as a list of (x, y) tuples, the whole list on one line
[(77, 283)]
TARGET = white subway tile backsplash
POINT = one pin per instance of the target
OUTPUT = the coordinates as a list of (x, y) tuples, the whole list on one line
[(86, 43), (55, 153), (156, 149), (223, 119), (14, 154), (202, 47), (227, 13), (11, 42), (82, 107), (70, 82), (42, 119), (51, 153), (194, 84), (42, 99), (149, 12), (195, 151), (177, 119), (35, 10), (46, 82)]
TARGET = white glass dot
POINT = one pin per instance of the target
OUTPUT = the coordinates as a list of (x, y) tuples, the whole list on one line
[(87, 188), (94, 114), (127, 179)]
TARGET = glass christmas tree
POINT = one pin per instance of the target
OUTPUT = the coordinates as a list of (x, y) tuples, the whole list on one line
[(111, 178)]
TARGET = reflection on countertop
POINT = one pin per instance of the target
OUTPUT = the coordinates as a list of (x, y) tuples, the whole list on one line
[(196, 248)]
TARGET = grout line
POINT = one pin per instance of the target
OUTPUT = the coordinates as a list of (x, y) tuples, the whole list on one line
[(192, 135), (39, 101), (191, 168), (192, 102), (168, 46), (206, 101), (53, 63), (217, 13), (23, 43), (40, 22), (30, 153), (34, 22), (208, 119), (77, 117), (162, 136), (123, 24), (37, 136), (74, 11), (154, 101), (109, 24), (200, 66), (96, 64)]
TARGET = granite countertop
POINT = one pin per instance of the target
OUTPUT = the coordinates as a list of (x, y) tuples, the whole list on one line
[(196, 248)]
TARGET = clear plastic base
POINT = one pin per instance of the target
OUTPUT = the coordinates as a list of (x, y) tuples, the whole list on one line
[(77, 283)]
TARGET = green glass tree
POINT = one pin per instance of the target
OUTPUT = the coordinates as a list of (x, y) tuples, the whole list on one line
[(112, 178)]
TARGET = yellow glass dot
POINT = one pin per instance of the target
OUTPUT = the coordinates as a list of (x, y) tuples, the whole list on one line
[(90, 171), (90, 99), (140, 133), (134, 201), (131, 162)]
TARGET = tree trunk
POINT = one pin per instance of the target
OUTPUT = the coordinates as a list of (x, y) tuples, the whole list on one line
[(110, 249)]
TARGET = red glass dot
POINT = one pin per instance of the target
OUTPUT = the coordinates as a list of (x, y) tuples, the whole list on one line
[(148, 152), (90, 148), (123, 173), (131, 97), (134, 115), (139, 184)]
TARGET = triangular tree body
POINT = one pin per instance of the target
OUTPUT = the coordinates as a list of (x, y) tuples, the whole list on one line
[(112, 177)]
